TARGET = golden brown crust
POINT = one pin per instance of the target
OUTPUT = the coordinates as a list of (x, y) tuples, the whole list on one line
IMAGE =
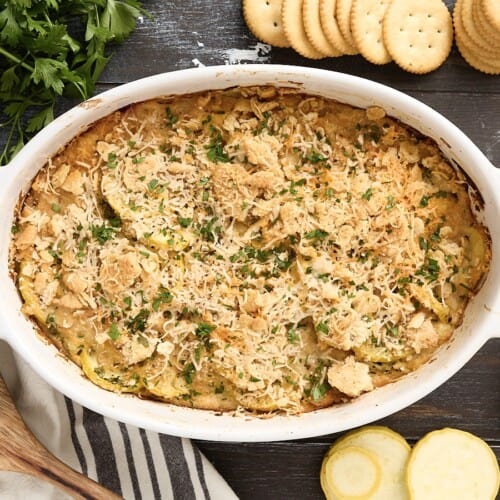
[(251, 248)]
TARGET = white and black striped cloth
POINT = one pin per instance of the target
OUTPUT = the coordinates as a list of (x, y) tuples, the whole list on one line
[(133, 462)]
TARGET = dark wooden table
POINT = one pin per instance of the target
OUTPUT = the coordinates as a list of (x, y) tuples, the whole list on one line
[(183, 34)]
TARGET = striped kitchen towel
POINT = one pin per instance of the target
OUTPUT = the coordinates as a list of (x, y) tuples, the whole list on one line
[(133, 462)]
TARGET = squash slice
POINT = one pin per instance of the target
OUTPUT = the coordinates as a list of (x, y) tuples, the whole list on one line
[(107, 378), (391, 452), (350, 473), (450, 463)]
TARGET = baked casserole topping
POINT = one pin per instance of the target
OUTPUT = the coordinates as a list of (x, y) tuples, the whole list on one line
[(252, 248)]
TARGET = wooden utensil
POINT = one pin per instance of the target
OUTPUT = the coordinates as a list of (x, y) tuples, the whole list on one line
[(20, 451)]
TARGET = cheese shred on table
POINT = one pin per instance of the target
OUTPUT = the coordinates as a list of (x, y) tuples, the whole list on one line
[(248, 249)]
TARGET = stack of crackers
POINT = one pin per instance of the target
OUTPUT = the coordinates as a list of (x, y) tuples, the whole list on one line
[(415, 34), (477, 33)]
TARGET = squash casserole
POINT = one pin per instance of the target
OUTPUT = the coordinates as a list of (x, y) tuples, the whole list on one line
[(248, 249)]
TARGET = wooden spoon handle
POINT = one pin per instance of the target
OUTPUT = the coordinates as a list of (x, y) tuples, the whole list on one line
[(20, 451)]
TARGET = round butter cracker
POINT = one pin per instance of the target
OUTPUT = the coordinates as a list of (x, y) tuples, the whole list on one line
[(474, 60), (484, 24), (418, 35), (366, 27), (343, 14), (475, 55), (469, 25), (314, 30), (328, 17), (263, 18), (465, 38), (491, 10), (291, 15)]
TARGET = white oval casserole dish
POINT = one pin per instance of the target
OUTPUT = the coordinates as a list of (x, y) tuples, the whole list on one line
[(482, 318)]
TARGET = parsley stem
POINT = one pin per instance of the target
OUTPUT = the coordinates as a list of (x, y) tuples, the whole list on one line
[(12, 57)]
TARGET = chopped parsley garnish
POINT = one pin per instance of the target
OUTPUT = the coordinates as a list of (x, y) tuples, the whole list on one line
[(318, 387), (113, 332), (112, 161), (51, 323), (55, 208), (184, 221), (294, 184), (138, 322), (436, 236), (283, 263), (263, 124), (189, 372), (153, 184), (209, 230), (292, 336), (203, 330), (215, 148), (367, 194), (318, 391), (374, 133), (424, 201), (392, 331), (314, 156), (322, 327), (82, 249), (163, 297), (316, 234), (53, 253), (249, 252), (430, 270), (103, 233), (390, 202), (171, 118), (109, 214)]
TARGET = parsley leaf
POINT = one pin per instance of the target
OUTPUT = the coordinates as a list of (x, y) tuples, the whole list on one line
[(203, 330), (102, 233), (164, 297), (113, 332), (41, 58), (215, 148)]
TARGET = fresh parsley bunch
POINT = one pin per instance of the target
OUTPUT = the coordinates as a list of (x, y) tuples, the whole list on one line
[(50, 48)]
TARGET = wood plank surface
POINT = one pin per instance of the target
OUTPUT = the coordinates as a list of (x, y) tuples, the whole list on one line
[(193, 32)]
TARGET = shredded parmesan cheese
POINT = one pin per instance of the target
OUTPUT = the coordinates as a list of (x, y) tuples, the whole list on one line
[(248, 249)]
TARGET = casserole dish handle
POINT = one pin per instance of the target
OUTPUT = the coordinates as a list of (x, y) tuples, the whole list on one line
[(6, 174)]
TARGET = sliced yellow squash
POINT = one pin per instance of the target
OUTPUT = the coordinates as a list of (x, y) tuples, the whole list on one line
[(476, 248), (379, 354), (350, 473), (106, 377), (427, 299), (390, 451), (31, 299), (152, 222), (169, 384), (452, 464)]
